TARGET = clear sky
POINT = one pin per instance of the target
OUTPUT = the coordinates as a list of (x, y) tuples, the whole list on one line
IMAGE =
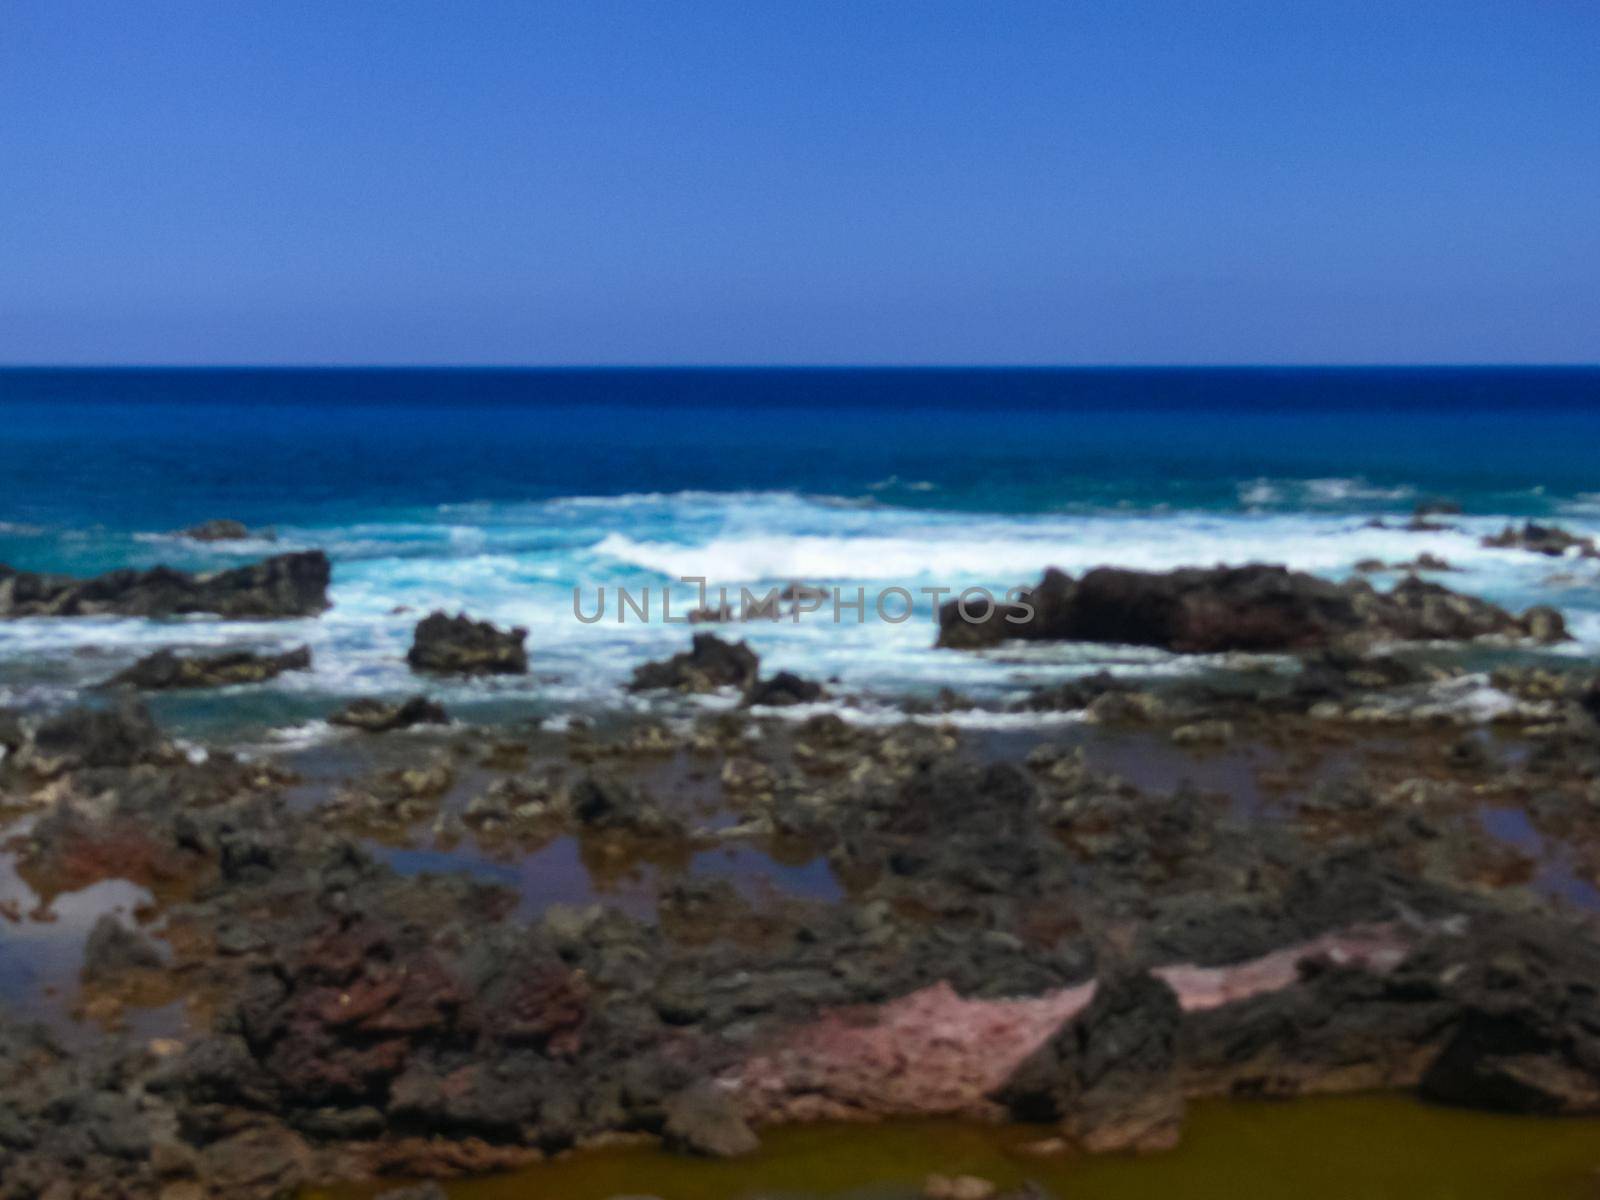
[(800, 181)]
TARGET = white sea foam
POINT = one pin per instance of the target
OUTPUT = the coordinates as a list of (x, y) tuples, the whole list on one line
[(1016, 552), (517, 564)]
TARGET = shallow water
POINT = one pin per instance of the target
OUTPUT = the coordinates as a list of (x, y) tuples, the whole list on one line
[(1380, 1147)]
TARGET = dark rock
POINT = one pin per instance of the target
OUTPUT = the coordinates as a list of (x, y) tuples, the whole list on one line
[(379, 716), (87, 737), (113, 948), (1436, 508), (165, 670), (783, 689), (1528, 1036), (458, 645), (287, 585), (709, 664), (705, 1120), (1110, 1075), (1422, 516), (608, 805), (1549, 540), (218, 530), (1254, 608)]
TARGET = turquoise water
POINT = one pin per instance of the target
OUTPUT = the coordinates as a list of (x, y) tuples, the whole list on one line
[(502, 492)]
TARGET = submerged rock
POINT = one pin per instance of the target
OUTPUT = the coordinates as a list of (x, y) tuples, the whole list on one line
[(1550, 540), (219, 529), (710, 663), (166, 669), (1251, 608), (458, 645), (783, 689), (381, 716), (286, 585)]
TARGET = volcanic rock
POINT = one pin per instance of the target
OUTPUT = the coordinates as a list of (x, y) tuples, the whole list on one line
[(380, 716), (783, 689), (219, 529), (458, 645), (1549, 540), (709, 664), (1110, 1075), (166, 669), (286, 585), (1252, 608)]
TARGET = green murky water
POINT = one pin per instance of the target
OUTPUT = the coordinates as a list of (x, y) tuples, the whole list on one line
[(1346, 1148)]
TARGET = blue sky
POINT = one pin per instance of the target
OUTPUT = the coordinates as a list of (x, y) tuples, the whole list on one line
[(801, 181)]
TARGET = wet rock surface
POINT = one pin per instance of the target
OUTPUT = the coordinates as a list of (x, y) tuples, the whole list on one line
[(218, 529), (166, 669), (710, 663), (287, 585), (381, 716), (1550, 540), (458, 645), (1251, 608)]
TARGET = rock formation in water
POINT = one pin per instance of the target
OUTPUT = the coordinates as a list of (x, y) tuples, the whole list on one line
[(286, 585), (166, 670), (458, 645), (1253, 608)]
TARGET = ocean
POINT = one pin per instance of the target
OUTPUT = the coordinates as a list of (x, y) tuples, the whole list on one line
[(500, 492)]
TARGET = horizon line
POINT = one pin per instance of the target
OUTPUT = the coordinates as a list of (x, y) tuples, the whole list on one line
[(1501, 365)]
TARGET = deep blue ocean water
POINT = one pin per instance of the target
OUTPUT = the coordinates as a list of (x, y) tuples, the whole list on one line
[(501, 491)]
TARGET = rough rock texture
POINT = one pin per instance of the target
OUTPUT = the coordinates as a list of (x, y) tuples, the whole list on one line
[(458, 645), (1206, 610), (1111, 1074), (783, 689), (355, 1023), (706, 1120), (380, 716), (113, 948), (166, 669), (710, 663), (1549, 540), (286, 585), (92, 738)]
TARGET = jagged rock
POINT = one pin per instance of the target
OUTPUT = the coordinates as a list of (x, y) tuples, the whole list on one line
[(705, 1120), (87, 737), (1527, 1038), (380, 716), (113, 948), (709, 664), (783, 689), (458, 645), (1207, 610), (286, 585), (1549, 540), (166, 670), (1110, 1075), (611, 806)]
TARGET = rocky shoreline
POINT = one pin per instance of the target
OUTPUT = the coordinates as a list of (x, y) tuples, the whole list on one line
[(1018, 931)]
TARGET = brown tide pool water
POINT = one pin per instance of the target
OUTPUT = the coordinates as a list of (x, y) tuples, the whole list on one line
[(1372, 1147)]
